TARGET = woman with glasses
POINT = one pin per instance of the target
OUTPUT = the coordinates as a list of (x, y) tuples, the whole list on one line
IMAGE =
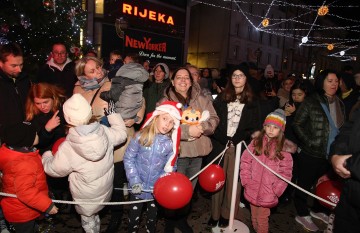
[(239, 118)]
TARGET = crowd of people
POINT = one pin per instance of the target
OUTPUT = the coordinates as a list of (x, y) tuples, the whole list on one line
[(122, 123)]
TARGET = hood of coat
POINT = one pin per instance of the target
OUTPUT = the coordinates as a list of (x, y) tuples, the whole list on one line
[(133, 71), (89, 141)]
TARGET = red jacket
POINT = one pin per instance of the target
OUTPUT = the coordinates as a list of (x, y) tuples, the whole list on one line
[(24, 176)]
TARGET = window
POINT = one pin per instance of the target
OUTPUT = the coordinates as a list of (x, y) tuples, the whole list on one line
[(261, 35), (249, 32), (269, 58), (99, 7), (270, 39), (236, 51), (237, 29)]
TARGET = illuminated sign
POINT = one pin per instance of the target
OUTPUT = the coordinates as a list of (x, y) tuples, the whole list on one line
[(155, 47), (144, 44), (147, 13)]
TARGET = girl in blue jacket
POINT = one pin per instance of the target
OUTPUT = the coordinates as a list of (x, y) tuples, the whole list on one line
[(151, 154)]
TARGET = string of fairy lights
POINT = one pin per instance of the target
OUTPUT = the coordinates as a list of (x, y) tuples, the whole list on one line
[(305, 25)]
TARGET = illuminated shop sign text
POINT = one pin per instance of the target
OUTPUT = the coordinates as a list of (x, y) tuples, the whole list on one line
[(146, 13), (145, 44)]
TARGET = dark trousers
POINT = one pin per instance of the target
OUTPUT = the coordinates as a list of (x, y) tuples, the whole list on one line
[(135, 215), (24, 227), (118, 195), (347, 216), (310, 169)]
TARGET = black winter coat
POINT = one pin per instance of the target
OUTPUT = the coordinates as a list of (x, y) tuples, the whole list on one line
[(249, 123), (347, 142), (312, 127), (13, 94)]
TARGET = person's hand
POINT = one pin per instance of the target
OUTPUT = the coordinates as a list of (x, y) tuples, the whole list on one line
[(53, 122), (289, 108), (129, 122), (272, 93), (53, 210), (111, 108), (136, 189), (195, 131), (338, 162)]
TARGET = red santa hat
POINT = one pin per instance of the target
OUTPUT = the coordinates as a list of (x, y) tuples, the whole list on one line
[(174, 109)]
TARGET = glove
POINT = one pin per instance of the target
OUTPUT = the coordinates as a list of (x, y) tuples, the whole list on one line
[(111, 108), (136, 189), (105, 95)]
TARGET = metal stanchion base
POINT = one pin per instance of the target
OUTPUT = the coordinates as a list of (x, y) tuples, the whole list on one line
[(238, 227)]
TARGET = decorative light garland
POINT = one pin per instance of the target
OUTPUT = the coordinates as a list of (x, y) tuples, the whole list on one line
[(268, 25)]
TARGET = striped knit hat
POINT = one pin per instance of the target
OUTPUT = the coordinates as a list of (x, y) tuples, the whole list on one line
[(276, 118)]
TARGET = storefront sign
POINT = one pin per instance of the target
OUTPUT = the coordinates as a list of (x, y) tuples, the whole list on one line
[(153, 46), (147, 14)]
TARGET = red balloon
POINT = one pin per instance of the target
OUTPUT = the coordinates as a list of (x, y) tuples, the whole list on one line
[(212, 178), (56, 145), (173, 191), (329, 190)]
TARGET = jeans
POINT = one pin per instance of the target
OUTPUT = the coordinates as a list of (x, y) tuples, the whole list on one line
[(189, 167)]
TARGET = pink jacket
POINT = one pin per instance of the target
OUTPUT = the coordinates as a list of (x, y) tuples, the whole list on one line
[(262, 188)]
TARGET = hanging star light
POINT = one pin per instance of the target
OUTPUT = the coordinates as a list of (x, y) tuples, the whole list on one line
[(323, 10), (330, 47), (265, 22), (304, 19), (304, 39), (342, 53)]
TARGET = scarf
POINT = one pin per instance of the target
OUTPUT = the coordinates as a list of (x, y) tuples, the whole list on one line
[(91, 84)]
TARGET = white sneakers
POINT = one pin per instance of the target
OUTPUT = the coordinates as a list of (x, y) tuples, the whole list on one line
[(308, 223), (321, 216)]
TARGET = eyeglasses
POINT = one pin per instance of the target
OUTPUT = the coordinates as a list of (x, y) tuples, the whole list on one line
[(238, 76), (59, 53)]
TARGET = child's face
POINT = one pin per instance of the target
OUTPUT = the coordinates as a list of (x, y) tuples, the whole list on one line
[(113, 58), (164, 124), (272, 131)]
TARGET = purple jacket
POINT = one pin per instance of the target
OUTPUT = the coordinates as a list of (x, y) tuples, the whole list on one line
[(262, 188), (144, 165)]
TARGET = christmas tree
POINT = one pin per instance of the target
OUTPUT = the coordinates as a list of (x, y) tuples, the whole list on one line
[(36, 24)]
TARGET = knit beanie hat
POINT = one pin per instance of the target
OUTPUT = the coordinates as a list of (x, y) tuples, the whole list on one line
[(174, 109), (20, 134), (166, 68), (276, 118), (77, 110), (269, 71)]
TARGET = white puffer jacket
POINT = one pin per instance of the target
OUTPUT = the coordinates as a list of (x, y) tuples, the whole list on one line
[(87, 157)]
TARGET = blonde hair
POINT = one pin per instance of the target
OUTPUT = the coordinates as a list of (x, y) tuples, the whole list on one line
[(80, 64), (43, 91), (147, 134)]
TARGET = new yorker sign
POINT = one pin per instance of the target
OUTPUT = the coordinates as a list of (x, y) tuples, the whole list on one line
[(153, 47)]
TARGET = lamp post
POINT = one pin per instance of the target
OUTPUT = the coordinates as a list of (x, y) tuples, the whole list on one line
[(258, 54)]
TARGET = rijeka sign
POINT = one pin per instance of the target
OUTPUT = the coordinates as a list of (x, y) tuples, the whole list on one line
[(147, 14), (145, 44)]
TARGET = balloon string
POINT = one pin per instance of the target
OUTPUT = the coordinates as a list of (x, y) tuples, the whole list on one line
[(212, 161)]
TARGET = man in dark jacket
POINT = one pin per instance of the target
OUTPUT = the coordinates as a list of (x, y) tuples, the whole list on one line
[(59, 70), (345, 158), (14, 85)]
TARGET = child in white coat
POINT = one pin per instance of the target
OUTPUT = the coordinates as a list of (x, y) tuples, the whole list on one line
[(87, 157)]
